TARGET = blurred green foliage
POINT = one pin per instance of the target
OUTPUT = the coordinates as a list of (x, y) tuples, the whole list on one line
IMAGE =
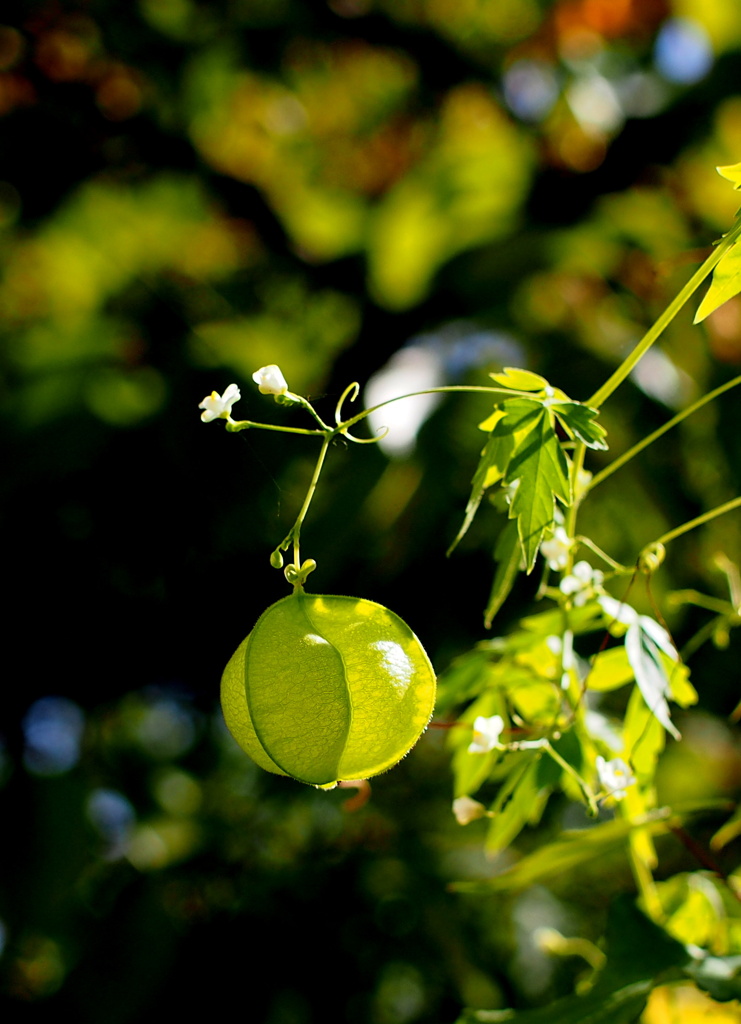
[(191, 190)]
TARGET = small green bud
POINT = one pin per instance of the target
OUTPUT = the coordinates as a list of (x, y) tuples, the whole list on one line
[(276, 559)]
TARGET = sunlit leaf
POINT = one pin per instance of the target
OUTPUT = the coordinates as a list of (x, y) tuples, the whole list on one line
[(644, 642), (725, 284), (490, 470), (732, 173), (580, 421), (570, 851), (539, 468), (609, 670), (520, 380)]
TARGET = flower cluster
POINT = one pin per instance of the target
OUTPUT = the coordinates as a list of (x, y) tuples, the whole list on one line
[(269, 380)]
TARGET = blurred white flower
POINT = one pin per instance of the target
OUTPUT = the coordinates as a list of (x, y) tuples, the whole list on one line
[(270, 380), (466, 809), (614, 776), (583, 584), (216, 406), (486, 733), (556, 549)]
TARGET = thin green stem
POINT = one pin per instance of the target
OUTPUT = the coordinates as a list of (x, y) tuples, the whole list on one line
[(234, 426), (509, 392), (588, 794), (576, 467), (295, 533), (627, 456), (622, 570), (617, 378), (306, 404), (699, 520), (710, 604)]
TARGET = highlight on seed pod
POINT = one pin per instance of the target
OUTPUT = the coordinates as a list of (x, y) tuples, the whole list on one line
[(327, 689)]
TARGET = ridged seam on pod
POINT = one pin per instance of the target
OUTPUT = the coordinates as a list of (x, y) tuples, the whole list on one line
[(327, 688)]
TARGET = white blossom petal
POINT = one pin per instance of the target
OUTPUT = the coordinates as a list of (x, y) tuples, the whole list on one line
[(615, 776), (486, 733), (216, 406), (270, 380)]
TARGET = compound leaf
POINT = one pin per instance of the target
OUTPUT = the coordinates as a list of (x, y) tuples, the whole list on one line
[(539, 468)]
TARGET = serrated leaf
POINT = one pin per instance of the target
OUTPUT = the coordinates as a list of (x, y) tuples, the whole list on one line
[(510, 422), (645, 639), (491, 468), (725, 284), (539, 468), (508, 555), (520, 380), (581, 422)]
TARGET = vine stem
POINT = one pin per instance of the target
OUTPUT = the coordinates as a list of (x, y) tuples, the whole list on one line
[(627, 456), (617, 378), (699, 520), (295, 533)]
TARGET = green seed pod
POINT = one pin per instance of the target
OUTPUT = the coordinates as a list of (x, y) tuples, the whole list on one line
[(328, 688)]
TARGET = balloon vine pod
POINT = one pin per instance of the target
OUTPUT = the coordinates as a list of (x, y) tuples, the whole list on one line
[(325, 688)]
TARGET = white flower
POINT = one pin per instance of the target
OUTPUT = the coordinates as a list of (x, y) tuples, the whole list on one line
[(216, 406), (270, 380), (583, 584), (486, 733), (556, 549), (614, 776), (466, 809)]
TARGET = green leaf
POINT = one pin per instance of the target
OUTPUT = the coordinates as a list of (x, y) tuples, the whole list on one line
[(520, 380), (490, 470), (471, 770), (732, 173), (610, 670), (513, 806), (725, 284), (580, 421), (539, 468), (569, 852), (644, 642), (508, 555), (466, 677)]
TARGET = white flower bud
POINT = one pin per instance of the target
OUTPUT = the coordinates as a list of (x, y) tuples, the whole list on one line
[(270, 380)]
